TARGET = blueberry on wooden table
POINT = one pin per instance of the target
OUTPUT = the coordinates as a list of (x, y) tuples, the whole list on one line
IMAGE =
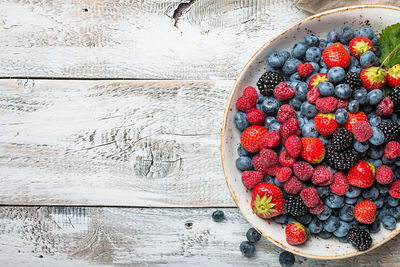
[(252, 235), (286, 259), (218, 215), (247, 248)]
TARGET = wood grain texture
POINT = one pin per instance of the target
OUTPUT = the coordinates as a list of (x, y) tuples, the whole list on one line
[(124, 143), (136, 39), (66, 236)]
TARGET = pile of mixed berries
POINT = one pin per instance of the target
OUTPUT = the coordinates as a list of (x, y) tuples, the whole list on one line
[(320, 141)]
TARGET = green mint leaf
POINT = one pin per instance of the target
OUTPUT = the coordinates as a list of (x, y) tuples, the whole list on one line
[(388, 40)]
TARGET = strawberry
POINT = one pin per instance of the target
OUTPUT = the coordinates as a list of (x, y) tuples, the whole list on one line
[(353, 118), (313, 150), (360, 45), (393, 75), (365, 211), (267, 200), (305, 69), (325, 123), (373, 78), (316, 79), (336, 56), (362, 174), (296, 233), (251, 137)]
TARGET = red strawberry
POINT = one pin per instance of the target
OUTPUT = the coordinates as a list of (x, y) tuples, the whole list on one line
[(393, 75), (267, 200), (325, 123), (313, 150), (360, 45), (296, 233), (373, 78), (336, 56), (353, 118), (250, 91), (251, 137), (316, 79), (305, 69), (365, 211), (362, 174)]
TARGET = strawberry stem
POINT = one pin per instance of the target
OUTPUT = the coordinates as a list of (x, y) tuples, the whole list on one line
[(388, 56)]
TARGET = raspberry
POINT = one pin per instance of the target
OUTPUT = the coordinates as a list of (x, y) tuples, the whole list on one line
[(251, 178), (303, 170), (394, 189), (246, 103), (294, 146), (313, 95), (362, 131), (283, 174), (385, 107), (318, 209), (255, 116), (285, 113), (310, 197), (326, 104), (392, 150), (283, 91), (384, 174), (340, 185), (342, 103), (272, 170), (285, 159), (289, 127), (257, 164), (293, 185), (322, 176), (270, 140), (268, 157), (305, 69), (250, 91)]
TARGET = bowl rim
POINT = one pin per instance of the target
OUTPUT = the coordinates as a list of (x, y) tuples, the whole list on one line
[(224, 127)]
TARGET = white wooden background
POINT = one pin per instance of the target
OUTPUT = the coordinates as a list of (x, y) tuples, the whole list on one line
[(110, 114)]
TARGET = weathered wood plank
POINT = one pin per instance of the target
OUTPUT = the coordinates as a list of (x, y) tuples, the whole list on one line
[(124, 143), (63, 236), (136, 39)]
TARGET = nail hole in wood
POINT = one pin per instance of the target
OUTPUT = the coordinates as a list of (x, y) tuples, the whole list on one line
[(189, 225)]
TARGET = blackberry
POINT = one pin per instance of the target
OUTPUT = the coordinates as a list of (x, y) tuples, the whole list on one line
[(342, 139), (391, 130), (359, 238), (395, 96), (294, 205), (267, 82), (353, 79), (341, 160)]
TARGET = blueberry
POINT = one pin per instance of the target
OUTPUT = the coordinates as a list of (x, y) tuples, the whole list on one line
[(295, 77), (377, 51), (268, 179), (333, 36), (282, 219), (343, 239), (377, 137), (368, 59), (361, 95), (389, 222), (374, 119), (244, 163), (325, 214), (366, 32), (375, 96), (325, 142), (384, 211), (286, 259), (367, 109), (316, 66), (299, 50), (247, 248), (276, 60), (323, 191), (295, 103), (346, 213), (379, 203), (375, 41), (323, 70), (383, 189), (291, 219), (326, 88), (316, 226), (269, 68), (336, 74), (308, 110), (361, 147), (334, 201), (397, 163), (277, 183), (242, 152), (356, 69), (325, 234), (343, 91), (329, 44), (305, 219), (290, 66), (346, 35), (331, 224), (347, 48), (387, 161), (341, 116), (371, 193), (375, 226), (364, 227), (285, 54), (270, 106), (353, 106), (218, 215), (375, 152), (322, 44), (269, 120), (313, 54), (253, 236), (354, 61), (343, 229), (274, 127), (311, 40), (353, 192), (350, 201), (393, 202), (309, 130), (301, 90), (354, 224), (395, 212), (240, 121)]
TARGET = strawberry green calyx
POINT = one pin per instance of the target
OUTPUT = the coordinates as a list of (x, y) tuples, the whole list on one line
[(374, 75), (316, 79), (299, 226), (372, 168), (263, 205), (321, 158), (395, 71), (361, 47)]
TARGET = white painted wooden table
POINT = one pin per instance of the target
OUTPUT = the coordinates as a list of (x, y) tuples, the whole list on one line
[(110, 115)]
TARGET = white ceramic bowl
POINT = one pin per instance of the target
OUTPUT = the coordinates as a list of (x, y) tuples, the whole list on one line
[(376, 16)]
